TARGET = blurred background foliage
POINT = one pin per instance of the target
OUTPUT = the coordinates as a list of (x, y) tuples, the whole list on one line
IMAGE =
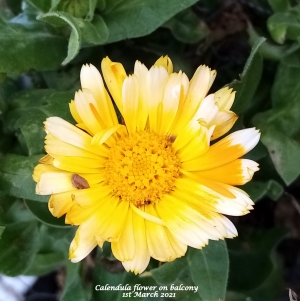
[(43, 45)]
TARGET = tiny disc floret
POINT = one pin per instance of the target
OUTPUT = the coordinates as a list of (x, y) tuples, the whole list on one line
[(142, 167)]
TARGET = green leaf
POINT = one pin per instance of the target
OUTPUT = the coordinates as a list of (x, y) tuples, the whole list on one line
[(18, 246), (285, 25), (26, 120), (95, 32), (279, 6), (59, 19), (268, 50), (42, 213), (209, 270), (253, 250), (168, 272), (7, 88), (46, 263), (249, 81), (16, 177), (136, 18), (187, 27), (271, 289), (284, 152), (35, 46), (73, 289), (92, 7), (2, 228), (55, 239), (77, 8), (279, 126), (42, 5), (258, 189)]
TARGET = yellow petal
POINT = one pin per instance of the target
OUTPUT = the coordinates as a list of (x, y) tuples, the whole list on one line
[(225, 98), (226, 150), (197, 146), (40, 169), (207, 110), (68, 133), (114, 76), (237, 172), (54, 146), (84, 241), (198, 89), (59, 181), (160, 246), (224, 121), (174, 93), (124, 248), (85, 105), (60, 203), (74, 112), (165, 62), (112, 226), (156, 81), (130, 100), (141, 259), (104, 135), (91, 79), (182, 221), (140, 71)]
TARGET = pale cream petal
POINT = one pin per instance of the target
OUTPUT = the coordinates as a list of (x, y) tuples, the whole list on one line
[(130, 101), (124, 248), (207, 110), (224, 151), (40, 169), (225, 98), (91, 79), (54, 146), (114, 76), (141, 259), (182, 221), (213, 200), (140, 72), (210, 219), (198, 89), (230, 228), (60, 181), (84, 241), (156, 81), (68, 133), (54, 182), (174, 93)]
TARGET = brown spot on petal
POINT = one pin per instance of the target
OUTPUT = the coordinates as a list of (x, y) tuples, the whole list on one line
[(172, 138), (79, 182)]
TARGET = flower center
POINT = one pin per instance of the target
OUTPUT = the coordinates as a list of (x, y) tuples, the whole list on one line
[(143, 167)]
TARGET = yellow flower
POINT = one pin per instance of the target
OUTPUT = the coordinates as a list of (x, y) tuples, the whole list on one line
[(153, 184)]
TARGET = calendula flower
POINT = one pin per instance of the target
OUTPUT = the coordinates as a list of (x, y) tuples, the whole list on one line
[(154, 183)]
